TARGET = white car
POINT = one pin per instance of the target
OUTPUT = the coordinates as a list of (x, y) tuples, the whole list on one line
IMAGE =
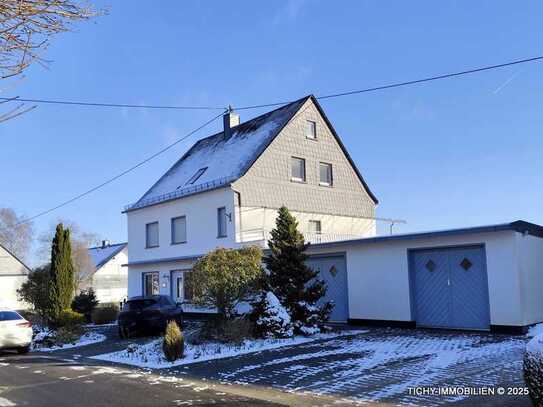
[(15, 331)]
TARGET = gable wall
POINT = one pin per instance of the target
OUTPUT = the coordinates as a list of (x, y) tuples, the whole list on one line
[(12, 275), (267, 183), (110, 282)]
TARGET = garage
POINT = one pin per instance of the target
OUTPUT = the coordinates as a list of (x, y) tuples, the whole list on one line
[(450, 288), (486, 278), (332, 270)]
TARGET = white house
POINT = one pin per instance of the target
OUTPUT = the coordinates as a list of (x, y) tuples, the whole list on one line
[(13, 273), (225, 191), (109, 278)]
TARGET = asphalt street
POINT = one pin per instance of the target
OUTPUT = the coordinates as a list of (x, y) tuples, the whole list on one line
[(38, 380)]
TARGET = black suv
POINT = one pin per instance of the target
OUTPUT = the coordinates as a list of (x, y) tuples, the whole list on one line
[(150, 313)]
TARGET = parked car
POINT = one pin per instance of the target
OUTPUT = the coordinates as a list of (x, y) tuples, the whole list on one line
[(15, 331), (151, 313)]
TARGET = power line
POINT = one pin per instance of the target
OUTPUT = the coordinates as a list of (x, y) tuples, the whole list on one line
[(406, 83), (110, 180), (98, 104)]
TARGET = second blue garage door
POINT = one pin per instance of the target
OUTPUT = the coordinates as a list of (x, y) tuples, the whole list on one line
[(450, 288), (332, 270)]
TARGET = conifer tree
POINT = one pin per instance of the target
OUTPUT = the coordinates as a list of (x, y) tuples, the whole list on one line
[(294, 283), (62, 282)]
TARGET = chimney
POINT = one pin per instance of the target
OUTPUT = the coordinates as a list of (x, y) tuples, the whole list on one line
[(229, 119), (105, 243)]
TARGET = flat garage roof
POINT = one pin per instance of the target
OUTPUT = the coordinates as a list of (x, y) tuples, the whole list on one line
[(519, 226)]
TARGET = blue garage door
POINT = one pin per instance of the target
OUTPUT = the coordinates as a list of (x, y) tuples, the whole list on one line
[(450, 288), (333, 271)]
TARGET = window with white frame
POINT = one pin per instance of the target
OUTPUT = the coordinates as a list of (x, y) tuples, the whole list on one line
[(311, 129), (151, 283), (151, 235), (314, 227), (179, 230), (221, 222), (325, 174), (297, 169)]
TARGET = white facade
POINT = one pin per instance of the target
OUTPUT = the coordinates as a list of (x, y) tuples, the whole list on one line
[(379, 278), (254, 166), (13, 273)]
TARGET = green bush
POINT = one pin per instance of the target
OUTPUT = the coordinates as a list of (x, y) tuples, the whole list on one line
[(105, 314), (173, 344), (69, 319), (85, 302)]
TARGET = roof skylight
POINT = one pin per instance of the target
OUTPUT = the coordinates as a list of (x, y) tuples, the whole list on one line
[(197, 175)]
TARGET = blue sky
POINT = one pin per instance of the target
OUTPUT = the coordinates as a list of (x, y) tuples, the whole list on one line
[(458, 152)]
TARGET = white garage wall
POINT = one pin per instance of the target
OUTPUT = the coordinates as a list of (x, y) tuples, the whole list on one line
[(378, 275), (530, 250)]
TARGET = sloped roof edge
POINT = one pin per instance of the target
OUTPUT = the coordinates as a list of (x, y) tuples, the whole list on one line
[(29, 270)]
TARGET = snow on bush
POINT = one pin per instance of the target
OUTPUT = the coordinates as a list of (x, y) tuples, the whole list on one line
[(272, 319), (533, 369), (47, 340)]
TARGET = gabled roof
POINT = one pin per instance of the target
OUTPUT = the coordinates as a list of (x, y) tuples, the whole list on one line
[(226, 159), (16, 258), (101, 256)]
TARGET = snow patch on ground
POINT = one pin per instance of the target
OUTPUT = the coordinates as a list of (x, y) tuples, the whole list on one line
[(150, 355), (535, 346), (86, 339), (535, 330)]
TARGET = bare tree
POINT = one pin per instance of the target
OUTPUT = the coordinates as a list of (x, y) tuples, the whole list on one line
[(15, 236), (26, 28), (81, 241)]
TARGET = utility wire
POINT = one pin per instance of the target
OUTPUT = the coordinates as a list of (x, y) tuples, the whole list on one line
[(97, 104), (407, 83), (347, 93), (110, 180)]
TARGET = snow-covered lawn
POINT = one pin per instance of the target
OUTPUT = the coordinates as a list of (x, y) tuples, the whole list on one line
[(150, 355), (87, 338)]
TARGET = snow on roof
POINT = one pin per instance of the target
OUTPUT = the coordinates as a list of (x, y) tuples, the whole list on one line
[(101, 256), (224, 159)]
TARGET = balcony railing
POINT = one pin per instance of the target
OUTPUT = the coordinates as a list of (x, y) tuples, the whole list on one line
[(261, 237), (193, 189)]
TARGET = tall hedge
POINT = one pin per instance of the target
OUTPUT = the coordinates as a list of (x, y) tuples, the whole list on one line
[(62, 275)]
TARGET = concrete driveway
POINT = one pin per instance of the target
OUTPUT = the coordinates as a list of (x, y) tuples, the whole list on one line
[(387, 366)]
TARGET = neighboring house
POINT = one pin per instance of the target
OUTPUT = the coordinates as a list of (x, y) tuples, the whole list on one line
[(109, 278), (13, 273), (225, 191)]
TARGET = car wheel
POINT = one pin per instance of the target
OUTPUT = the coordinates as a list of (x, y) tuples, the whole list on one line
[(23, 350)]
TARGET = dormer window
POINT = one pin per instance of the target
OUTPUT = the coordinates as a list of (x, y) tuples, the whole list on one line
[(311, 129), (197, 175)]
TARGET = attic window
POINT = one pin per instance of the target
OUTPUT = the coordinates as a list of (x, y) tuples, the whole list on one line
[(311, 129), (197, 175)]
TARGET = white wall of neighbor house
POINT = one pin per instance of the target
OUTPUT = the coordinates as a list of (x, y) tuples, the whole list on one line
[(110, 281), (255, 223), (378, 276), (12, 275), (200, 211), (530, 258)]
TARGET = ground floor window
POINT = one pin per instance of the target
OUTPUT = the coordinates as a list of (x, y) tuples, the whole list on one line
[(187, 291), (151, 283)]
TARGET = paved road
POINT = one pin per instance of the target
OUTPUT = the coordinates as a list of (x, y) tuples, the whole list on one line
[(38, 380)]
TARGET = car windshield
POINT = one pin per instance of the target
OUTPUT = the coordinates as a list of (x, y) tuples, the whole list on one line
[(9, 316), (138, 304)]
